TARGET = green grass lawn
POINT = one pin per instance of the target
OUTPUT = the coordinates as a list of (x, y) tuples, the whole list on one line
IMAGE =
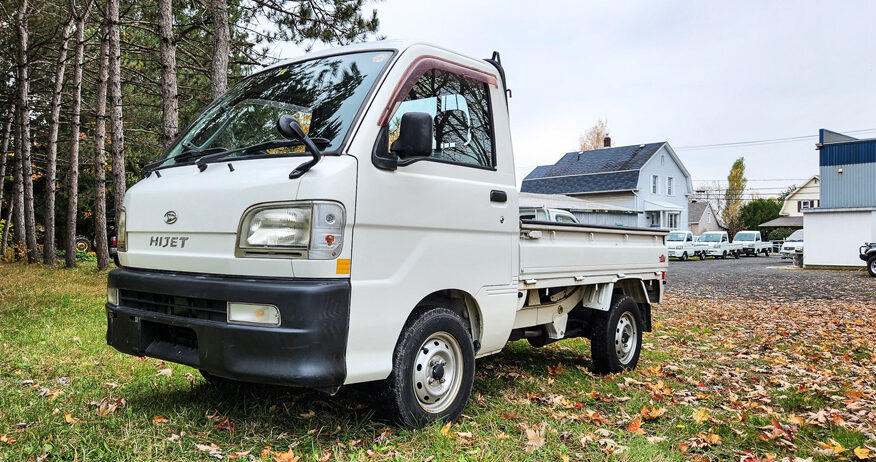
[(717, 381)]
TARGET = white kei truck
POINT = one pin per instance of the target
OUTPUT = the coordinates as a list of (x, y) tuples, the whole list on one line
[(681, 245), (352, 216), (752, 244), (717, 244)]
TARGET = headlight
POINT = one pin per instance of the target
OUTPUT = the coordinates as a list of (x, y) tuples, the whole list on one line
[(251, 313), (303, 229), (122, 231)]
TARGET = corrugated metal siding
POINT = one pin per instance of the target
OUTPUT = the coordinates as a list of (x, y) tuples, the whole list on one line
[(855, 187), (848, 153)]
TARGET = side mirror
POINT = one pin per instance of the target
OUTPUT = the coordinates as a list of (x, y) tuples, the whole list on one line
[(415, 136), (289, 127)]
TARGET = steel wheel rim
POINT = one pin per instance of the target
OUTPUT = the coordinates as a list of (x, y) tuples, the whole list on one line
[(437, 372), (873, 266), (625, 338), (81, 246)]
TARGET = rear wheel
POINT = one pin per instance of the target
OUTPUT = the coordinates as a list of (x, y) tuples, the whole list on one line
[(617, 337), (871, 266), (432, 371), (736, 255), (766, 252)]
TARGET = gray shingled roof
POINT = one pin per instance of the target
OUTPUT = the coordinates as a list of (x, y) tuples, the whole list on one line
[(608, 169), (695, 211)]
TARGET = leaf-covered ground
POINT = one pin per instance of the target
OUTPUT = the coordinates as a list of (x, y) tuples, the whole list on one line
[(747, 379)]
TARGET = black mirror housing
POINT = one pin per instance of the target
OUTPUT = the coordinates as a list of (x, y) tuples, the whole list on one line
[(290, 128), (415, 136)]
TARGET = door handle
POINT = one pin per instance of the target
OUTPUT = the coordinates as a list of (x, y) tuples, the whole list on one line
[(498, 196)]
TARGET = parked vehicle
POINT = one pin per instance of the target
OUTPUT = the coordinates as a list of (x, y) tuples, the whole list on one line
[(681, 245), (752, 244), (389, 251), (546, 214), (717, 244), (793, 244), (868, 254)]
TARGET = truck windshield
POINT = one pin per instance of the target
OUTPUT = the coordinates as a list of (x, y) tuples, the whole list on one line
[(676, 236), (324, 94), (796, 236), (743, 237), (710, 238)]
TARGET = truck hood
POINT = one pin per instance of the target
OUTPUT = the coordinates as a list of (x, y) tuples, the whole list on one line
[(187, 220)]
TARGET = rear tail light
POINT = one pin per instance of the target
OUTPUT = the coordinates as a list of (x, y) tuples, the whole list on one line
[(114, 240), (662, 258)]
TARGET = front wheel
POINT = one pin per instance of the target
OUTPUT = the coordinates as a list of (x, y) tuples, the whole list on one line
[(683, 256), (432, 370), (724, 255), (617, 337), (871, 266)]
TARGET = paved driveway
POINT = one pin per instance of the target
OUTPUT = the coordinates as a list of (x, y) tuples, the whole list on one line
[(766, 278)]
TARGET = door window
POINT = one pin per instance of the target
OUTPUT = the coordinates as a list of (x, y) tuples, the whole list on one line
[(460, 110), (564, 219)]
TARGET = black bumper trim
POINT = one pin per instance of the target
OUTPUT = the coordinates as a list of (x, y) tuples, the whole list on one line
[(308, 349)]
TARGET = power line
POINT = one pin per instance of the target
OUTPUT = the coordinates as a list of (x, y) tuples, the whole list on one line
[(789, 139)]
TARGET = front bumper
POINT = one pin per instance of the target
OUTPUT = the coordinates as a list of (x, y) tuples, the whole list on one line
[(677, 253), (181, 318)]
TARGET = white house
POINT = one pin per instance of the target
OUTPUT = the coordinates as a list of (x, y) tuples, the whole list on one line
[(648, 179), (807, 196)]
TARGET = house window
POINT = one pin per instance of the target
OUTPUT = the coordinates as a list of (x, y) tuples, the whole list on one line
[(709, 217), (805, 205), (655, 181), (673, 220), (670, 186)]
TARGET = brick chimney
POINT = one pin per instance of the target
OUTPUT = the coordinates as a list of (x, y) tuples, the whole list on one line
[(606, 143)]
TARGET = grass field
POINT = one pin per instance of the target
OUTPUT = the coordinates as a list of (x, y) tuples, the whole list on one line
[(718, 380)]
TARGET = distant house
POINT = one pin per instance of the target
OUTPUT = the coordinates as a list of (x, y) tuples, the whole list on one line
[(845, 217), (807, 196), (647, 179), (702, 218)]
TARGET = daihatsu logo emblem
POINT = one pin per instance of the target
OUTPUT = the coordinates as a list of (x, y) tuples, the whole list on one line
[(170, 217)]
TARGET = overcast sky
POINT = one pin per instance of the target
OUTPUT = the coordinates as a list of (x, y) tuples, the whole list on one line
[(691, 73)]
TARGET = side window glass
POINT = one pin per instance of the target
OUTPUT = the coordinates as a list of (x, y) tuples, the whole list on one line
[(460, 112), (564, 219)]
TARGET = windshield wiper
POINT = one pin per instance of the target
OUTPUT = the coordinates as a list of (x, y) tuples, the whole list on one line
[(183, 156), (273, 144)]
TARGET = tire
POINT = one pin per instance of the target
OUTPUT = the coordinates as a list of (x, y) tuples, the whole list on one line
[(724, 255), (617, 337), (683, 256), (754, 254), (116, 261), (82, 244), (736, 255), (871, 265), (766, 252), (434, 348)]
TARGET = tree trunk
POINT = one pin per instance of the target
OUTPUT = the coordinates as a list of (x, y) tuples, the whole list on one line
[(5, 237), (18, 190), (4, 154), (170, 104), (117, 148), (52, 161), (24, 120), (221, 48), (100, 161)]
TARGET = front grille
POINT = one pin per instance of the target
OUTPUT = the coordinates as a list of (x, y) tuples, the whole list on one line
[(184, 307)]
